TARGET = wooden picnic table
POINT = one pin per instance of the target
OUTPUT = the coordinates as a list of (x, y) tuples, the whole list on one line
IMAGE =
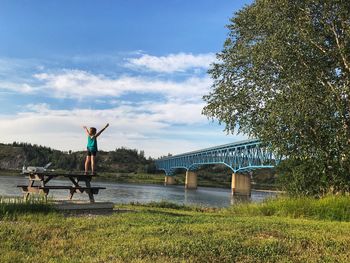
[(38, 183)]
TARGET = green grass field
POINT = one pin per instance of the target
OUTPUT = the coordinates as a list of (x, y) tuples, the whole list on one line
[(274, 231)]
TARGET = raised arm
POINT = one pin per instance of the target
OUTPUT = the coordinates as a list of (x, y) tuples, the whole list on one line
[(86, 129), (99, 133)]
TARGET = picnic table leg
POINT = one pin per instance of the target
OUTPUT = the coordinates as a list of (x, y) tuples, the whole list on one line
[(26, 194), (43, 183), (44, 192), (75, 183), (91, 196), (72, 191), (87, 182), (89, 191)]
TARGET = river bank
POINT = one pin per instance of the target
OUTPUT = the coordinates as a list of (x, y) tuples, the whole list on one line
[(275, 231), (156, 179)]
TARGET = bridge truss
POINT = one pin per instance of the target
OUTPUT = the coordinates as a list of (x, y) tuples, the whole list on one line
[(239, 157)]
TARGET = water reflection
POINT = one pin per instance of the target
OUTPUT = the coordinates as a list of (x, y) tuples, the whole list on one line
[(126, 193)]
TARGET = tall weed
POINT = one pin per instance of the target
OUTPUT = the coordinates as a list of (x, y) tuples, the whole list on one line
[(326, 208)]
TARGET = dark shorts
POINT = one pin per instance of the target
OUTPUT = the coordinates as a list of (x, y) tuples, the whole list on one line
[(89, 152)]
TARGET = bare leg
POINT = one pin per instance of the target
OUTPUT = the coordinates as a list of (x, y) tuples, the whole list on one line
[(87, 162), (93, 164)]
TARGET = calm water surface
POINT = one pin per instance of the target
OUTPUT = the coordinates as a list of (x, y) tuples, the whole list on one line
[(126, 193)]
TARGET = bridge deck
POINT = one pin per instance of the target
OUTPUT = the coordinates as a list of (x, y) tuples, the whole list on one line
[(243, 155)]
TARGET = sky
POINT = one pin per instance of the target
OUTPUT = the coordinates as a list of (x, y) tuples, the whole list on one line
[(139, 65)]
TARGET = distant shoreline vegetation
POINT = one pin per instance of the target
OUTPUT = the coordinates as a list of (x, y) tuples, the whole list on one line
[(121, 165), (15, 155)]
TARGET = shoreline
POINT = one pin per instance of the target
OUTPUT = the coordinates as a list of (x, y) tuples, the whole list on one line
[(146, 179)]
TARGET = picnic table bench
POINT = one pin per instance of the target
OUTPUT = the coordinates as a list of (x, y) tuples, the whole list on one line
[(38, 183)]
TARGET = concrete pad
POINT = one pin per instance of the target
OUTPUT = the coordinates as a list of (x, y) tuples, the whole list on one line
[(83, 207)]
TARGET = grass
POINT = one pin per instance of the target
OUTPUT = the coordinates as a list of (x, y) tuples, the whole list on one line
[(11, 207), (10, 172), (164, 232), (326, 208)]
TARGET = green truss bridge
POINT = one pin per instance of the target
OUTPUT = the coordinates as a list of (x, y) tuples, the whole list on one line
[(240, 157)]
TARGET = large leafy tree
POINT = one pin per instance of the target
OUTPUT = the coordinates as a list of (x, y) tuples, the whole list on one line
[(284, 76)]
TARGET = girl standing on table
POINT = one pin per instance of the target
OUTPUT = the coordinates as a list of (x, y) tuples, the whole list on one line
[(92, 147)]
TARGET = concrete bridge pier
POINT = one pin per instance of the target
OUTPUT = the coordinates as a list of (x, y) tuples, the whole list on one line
[(241, 184), (169, 180), (191, 180)]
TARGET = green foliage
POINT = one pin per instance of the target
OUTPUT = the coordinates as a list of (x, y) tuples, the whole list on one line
[(11, 207), (326, 208), (124, 155), (120, 160), (309, 177), (284, 77)]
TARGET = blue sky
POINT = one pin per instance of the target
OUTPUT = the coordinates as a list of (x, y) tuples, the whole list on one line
[(139, 65)]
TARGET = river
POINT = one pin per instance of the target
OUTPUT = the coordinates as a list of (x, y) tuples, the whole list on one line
[(126, 193)]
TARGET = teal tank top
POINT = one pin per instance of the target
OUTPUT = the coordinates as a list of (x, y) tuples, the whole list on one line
[(92, 144)]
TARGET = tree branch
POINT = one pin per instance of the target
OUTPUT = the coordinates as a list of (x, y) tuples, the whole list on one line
[(345, 62)]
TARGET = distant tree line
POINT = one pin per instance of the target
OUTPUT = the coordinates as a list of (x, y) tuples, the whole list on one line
[(120, 160)]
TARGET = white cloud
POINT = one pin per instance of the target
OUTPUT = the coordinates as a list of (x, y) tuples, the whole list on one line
[(22, 88), (177, 112), (172, 63), (79, 84), (145, 126), (171, 124), (82, 84)]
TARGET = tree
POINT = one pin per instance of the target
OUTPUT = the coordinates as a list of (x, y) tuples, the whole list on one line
[(283, 76)]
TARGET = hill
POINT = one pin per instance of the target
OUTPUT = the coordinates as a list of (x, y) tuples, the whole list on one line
[(14, 156)]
